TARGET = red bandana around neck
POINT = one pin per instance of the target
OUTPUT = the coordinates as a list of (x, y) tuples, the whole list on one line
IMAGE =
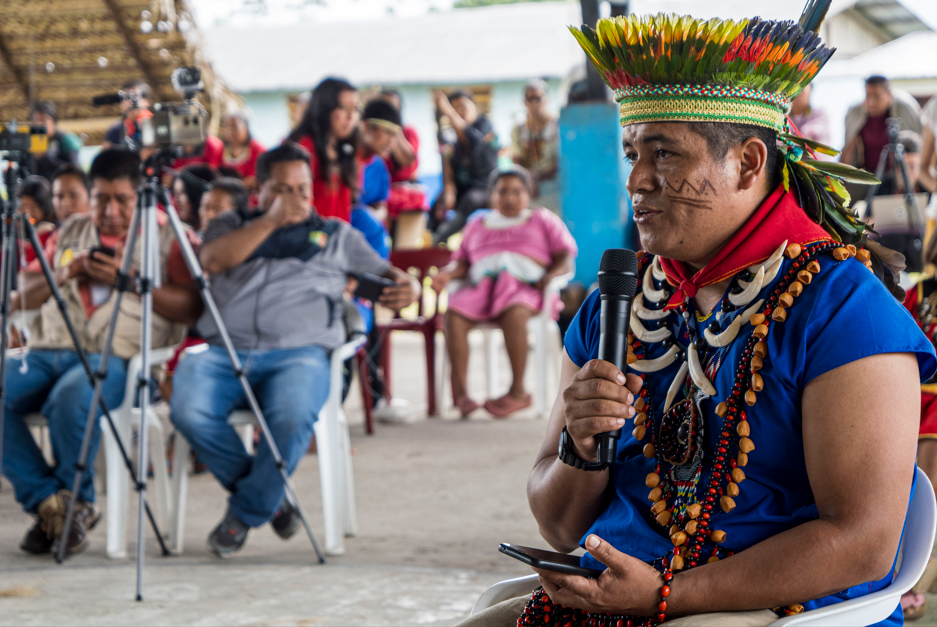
[(778, 218)]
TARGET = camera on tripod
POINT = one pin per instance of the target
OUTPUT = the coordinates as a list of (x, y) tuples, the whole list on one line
[(168, 127), (22, 139)]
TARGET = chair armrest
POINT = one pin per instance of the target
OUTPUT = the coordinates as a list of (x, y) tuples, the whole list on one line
[(348, 349), (158, 357), (505, 590)]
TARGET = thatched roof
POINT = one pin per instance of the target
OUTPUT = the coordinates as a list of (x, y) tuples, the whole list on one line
[(68, 51)]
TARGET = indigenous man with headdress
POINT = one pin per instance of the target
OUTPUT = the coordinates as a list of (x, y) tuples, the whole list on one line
[(772, 386)]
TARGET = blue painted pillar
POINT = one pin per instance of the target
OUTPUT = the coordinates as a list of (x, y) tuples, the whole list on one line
[(593, 171)]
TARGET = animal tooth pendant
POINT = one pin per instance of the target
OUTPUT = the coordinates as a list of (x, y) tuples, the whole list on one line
[(728, 336), (647, 288), (659, 363), (642, 333), (697, 373), (675, 386)]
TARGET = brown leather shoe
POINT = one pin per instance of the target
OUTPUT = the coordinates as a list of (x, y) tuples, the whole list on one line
[(36, 540), (53, 518)]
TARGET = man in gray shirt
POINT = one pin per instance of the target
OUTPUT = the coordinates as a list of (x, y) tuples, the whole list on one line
[(278, 273)]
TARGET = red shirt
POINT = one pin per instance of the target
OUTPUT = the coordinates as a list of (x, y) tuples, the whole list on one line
[(332, 198), (212, 154), (246, 166), (398, 174), (874, 137)]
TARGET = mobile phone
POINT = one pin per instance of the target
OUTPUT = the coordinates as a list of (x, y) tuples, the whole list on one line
[(370, 286), (104, 250), (548, 560)]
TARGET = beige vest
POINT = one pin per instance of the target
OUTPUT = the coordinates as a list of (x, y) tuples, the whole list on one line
[(48, 329)]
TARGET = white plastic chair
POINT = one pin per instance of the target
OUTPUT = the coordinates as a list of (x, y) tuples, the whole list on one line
[(544, 344), (126, 420), (873, 608), (333, 446)]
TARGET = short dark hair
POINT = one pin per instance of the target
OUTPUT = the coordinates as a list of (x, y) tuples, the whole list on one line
[(116, 163), (38, 188), (234, 188), (138, 84), (390, 91), (911, 141), (44, 106), (721, 136), (879, 80), (71, 169), (287, 151), (378, 109), (461, 93), (516, 171)]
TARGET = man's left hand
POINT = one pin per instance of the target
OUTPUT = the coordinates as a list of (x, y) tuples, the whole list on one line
[(628, 586), (401, 295)]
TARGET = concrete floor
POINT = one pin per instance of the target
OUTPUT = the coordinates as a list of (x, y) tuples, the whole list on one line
[(435, 498)]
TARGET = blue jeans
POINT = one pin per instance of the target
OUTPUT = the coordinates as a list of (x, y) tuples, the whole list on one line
[(291, 386), (56, 385)]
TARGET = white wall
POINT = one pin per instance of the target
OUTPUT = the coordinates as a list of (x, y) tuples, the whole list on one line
[(270, 123)]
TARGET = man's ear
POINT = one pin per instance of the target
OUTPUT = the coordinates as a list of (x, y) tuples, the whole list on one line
[(753, 158)]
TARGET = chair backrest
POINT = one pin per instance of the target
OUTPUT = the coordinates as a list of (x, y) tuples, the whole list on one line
[(422, 260)]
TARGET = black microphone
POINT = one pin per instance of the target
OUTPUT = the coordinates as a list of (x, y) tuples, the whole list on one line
[(618, 280), (107, 99)]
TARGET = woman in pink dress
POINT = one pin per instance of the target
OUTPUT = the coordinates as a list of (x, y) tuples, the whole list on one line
[(507, 259)]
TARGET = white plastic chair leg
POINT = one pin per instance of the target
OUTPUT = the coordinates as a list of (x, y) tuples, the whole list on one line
[(118, 484), (330, 469), (246, 432), (491, 362), (539, 352), (180, 492), (443, 398), (350, 515), (159, 487)]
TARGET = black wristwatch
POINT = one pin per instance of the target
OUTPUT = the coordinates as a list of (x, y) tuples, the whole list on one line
[(568, 457)]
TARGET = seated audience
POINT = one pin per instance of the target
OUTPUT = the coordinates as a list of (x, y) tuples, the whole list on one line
[(892, 181), (63, 147), (866, 122), (187, 190), (35, 196), (812, 123), (54, 382), (278, 273), (403, 162), (535, 143), (469, 156), (240, 149), (328, 131), (136, 103), (70, 192), (508, 259)]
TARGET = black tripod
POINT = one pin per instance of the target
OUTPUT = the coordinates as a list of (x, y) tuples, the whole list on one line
[(11, 219), (144, 225), (894, 153)]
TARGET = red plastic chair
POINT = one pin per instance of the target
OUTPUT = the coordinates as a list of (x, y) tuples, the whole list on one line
[(421, 260)]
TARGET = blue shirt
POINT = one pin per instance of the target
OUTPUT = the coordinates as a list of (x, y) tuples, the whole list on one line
[(364, 220), (843, 315), (375, 182)]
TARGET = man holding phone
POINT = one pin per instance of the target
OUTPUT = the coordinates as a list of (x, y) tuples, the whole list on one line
[(84, 254), (278, 274)]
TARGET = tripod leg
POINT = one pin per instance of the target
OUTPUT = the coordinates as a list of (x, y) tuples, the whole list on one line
[(83, 357), (150, 229), (8, 257), (204, 288), (81, 464)]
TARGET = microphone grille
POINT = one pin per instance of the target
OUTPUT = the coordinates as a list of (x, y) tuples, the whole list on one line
[(618, 272)]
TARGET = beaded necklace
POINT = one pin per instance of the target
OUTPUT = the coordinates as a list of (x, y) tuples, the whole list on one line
[(676, 429)]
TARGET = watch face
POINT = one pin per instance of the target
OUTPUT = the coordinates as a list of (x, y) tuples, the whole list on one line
[(563, 436)]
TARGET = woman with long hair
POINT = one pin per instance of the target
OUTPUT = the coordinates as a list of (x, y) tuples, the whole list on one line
[(328, 130)]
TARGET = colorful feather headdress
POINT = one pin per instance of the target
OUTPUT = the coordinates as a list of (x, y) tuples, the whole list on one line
[(671, 68)]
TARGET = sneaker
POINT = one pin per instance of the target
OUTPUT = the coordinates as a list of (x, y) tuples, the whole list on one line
[(36, 540), (228, 537), (395, 411), (286, 521)]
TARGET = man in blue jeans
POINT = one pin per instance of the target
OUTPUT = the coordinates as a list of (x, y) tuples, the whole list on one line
[(278, 272), (84, 254)]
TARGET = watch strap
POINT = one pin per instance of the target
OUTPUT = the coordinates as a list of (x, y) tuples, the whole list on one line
[(568, 457)]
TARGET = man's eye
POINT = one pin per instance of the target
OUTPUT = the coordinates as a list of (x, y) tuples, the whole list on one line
[(631, 157), (661, 154)]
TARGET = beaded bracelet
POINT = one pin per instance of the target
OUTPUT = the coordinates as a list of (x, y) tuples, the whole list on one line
[(664, 593)]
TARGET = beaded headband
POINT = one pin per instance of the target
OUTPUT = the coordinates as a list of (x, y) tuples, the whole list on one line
[(667, 67)]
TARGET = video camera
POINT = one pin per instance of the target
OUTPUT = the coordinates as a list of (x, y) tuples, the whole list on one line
[(169, 127), (21, 139)]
